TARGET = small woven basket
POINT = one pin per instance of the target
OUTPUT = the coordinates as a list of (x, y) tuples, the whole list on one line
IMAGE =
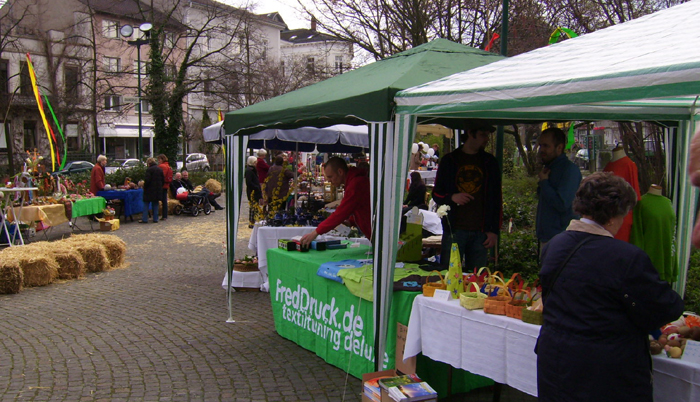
[(532, 317), (472, 300), (430, 287), (515, 306), (246, 267), (496, 304)]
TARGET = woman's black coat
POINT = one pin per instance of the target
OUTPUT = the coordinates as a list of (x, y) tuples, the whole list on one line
[(594, 344), (153, 184)]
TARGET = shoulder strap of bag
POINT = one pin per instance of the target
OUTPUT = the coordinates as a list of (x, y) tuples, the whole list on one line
[(561, 267)]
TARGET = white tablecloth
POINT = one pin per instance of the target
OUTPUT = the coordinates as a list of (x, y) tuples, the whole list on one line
[(428, 176), (502, 349)]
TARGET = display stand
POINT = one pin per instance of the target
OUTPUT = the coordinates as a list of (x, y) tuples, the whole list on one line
[(17, 234)]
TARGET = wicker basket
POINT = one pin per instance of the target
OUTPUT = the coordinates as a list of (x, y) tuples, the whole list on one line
[(472, 300), (496, 304), (430, 287), (246, 267), (515, 306), (532, 317)]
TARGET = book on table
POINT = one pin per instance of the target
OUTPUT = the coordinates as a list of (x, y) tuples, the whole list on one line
[(417, 391), (387, 383)]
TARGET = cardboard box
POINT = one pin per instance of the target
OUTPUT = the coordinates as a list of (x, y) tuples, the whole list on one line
[(409, 367), (108, 226), (288, 245), (301, 248)]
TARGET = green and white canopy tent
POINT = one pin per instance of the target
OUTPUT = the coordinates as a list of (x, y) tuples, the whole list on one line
[(361, 96), (645, 69)]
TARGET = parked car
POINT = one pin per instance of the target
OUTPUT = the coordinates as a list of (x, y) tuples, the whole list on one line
[(75, 167), (122, 164), (195, 162)]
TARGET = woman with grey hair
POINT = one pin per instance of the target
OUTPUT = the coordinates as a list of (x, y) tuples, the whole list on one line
[(253, 190), (602, 296)]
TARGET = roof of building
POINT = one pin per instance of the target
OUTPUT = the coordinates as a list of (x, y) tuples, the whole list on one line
[(303, 35), (131, 9)]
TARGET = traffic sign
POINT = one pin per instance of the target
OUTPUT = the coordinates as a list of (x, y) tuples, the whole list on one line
[(130, 99)]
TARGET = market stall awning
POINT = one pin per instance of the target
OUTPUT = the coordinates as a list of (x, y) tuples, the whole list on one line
[(358, 96), (337, 138), (655, 56)]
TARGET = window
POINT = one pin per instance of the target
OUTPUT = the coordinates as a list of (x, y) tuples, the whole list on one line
[(170, 40), (145, 106), (25, 83), (112, 64), (112, 102), (4, 77), (207, 87), (29, 135), (310, 65), (110, 29), (170, 71), (263, 55), (71, 81), (3, 137), (339, 64)]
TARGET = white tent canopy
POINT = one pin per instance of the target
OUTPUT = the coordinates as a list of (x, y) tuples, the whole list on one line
[(337, 138), (645, 69)]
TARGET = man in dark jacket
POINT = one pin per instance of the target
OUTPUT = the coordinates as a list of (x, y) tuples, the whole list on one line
[(152, 190), (559, 180), (355, 205), (469, 181)]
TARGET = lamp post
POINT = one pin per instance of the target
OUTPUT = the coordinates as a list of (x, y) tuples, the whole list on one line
[(126, 31)]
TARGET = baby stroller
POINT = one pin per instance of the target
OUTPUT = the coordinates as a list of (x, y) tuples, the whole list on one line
[(193, 203)]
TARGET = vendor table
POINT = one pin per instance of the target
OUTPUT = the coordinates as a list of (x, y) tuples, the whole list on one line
[(261, 239), (321, 315), (502, 349), (11, 209), (132, 200), (49, 215), (85, 207)]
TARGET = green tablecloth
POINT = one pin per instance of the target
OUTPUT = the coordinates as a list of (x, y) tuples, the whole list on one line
[(321, 315), (88, 206)]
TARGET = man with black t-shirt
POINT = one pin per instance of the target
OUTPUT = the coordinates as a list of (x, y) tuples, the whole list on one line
[(469, 181)]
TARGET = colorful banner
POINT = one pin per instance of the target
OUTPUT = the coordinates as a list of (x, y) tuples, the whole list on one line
[(40, 105)]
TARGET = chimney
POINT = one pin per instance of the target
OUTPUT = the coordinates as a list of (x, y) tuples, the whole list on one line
[(313, 23)]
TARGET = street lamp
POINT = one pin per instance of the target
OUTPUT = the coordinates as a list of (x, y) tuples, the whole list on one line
[(126, 31)]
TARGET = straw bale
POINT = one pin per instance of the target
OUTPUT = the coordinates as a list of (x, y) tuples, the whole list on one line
[(114, 247), (171, 206), (38, 269), (213, 185), (71, 264), (11, 276), (93, 252)]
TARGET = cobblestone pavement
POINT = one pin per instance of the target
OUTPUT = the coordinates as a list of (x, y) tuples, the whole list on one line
[(155, 330)]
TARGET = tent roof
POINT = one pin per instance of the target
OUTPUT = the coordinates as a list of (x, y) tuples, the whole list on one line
[(591, 76), (363, 95)]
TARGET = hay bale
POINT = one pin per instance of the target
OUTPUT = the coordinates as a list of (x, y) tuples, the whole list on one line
[(71, 264), (171, 206), (93, 252), (114, 247), (38, 269), (11, 276), (213, 185)]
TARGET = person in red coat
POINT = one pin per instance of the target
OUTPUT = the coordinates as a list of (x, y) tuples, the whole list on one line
[(355, 205), (168, 178), (97, 176)]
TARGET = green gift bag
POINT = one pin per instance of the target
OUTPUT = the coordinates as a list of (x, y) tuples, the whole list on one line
[(454, 279)]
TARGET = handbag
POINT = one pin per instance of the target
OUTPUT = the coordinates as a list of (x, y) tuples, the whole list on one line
[(472, 300), (515, 307), (429, 287)]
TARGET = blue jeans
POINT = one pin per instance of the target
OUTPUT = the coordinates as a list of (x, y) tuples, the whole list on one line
[(471, 248), (150, 205)]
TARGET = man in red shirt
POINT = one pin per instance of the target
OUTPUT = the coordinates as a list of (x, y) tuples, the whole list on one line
[(355, 205)]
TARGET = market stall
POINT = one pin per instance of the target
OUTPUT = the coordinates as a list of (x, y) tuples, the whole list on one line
[(361, 96), (641, 71), (132, 200), (502, 348), (323, 316)]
